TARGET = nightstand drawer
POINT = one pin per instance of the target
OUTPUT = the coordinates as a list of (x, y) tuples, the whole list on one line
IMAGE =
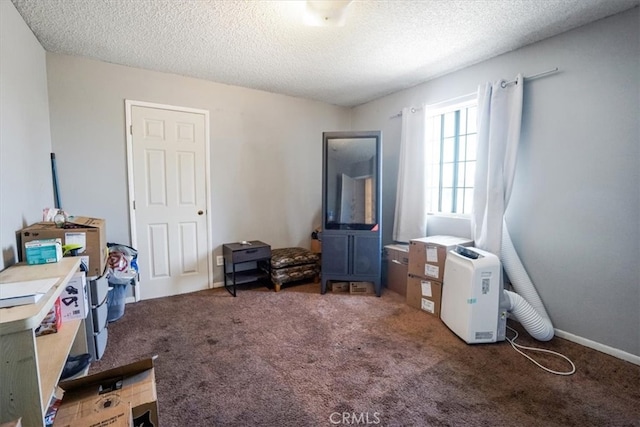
[(251, 254), (237, 252)]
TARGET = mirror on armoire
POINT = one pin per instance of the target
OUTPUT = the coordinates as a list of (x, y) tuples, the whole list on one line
[(351, 181)]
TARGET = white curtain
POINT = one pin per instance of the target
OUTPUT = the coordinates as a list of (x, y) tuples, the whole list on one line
[(411, 207), (499, 119)]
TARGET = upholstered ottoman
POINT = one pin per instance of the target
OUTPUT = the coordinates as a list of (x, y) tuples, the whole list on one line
[(292, 265)]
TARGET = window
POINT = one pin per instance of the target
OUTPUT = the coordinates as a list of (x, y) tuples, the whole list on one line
[(451, 157)]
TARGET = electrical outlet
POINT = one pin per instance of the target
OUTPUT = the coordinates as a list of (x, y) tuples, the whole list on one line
[(219, 260)]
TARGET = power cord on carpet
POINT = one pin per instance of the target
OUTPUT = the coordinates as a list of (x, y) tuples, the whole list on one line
[(517, 348)]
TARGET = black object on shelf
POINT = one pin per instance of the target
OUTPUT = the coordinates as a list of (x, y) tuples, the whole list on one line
[(74, 365)]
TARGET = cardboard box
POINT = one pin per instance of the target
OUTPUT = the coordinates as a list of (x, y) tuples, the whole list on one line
[(362, 288), (52, 322), (130, 386), (89, 232), (427, 255), (43, 251), (316, 246), (397, 267), (75, 298), (339, 286), (118, 416), (424, 294)]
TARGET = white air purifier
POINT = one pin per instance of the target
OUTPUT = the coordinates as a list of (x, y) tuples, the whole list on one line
[(471, 293)]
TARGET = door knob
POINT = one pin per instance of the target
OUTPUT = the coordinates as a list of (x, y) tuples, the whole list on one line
[(200, 212)]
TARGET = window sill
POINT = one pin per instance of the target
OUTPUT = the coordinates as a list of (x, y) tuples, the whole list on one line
[(450, 215)]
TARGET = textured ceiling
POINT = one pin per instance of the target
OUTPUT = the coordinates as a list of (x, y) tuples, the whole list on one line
[(385, 46)]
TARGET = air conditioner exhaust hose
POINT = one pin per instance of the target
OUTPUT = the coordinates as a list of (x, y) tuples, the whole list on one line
[(537, 326), (526, 304)]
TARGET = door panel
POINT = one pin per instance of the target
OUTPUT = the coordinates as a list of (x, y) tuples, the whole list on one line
[(169, 171), (155, 180), (186, 171), (189, 247), (366, 255), (337, 249), (158, 249)]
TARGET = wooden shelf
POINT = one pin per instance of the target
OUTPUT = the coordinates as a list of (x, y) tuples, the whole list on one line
[(53, 350), (30, 367), (248, 276), (29, 316)]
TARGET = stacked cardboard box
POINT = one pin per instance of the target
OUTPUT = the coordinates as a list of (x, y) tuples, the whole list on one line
[(427, 257), (397, 267), (89, 233)]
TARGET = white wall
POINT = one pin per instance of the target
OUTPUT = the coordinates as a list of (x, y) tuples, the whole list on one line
[(575, 210), (25, 140), (266, 149)]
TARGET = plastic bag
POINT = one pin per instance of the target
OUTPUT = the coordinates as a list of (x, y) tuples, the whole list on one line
[(122, 264)]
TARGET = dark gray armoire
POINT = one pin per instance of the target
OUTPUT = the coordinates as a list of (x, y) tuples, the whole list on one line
[(351, 208)]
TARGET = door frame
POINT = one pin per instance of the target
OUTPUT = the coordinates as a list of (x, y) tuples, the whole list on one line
[(129, 104)]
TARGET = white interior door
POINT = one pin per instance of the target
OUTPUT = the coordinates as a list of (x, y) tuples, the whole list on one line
[(168, 150)]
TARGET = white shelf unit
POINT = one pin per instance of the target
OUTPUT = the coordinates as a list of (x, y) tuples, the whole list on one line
[(30, 366)]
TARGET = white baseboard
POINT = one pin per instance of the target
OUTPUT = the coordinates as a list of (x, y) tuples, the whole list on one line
[(217, 285), (632, 358)]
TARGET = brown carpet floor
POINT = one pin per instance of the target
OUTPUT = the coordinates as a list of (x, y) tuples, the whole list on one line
[(298, 358)]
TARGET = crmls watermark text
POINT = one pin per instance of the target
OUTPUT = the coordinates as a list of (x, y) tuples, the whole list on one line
[(354, 418)]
